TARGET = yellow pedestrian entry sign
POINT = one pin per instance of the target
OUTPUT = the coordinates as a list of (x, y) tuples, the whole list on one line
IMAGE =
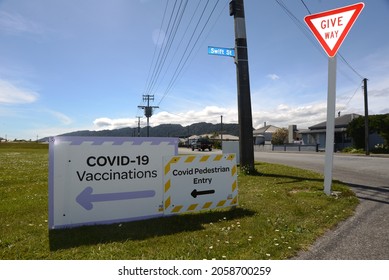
[(194, 183)]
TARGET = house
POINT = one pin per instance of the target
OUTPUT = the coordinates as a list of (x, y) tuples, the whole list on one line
[(316, 134), (264, 134)]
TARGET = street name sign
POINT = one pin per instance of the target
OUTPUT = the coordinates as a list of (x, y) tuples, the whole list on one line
[(202, 182), (102, 180), (221, 51), (331, 27)]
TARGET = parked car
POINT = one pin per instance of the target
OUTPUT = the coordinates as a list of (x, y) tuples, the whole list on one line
[(201, 144)]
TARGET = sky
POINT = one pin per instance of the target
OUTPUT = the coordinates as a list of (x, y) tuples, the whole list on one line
[(87, 65)]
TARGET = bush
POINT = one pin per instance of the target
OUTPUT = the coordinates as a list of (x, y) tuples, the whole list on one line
[(280, 137), (380, 149), (352, 150), (217, 144)]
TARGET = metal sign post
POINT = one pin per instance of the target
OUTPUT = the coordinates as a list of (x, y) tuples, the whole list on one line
[(330, 129)]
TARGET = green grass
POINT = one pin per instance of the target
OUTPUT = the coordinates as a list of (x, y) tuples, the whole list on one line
[(281, 210)]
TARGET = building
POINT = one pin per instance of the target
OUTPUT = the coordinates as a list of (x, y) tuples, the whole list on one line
[(316, 134), (264, 134)]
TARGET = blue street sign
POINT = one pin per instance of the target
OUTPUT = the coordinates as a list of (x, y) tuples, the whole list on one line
[(221, 51)]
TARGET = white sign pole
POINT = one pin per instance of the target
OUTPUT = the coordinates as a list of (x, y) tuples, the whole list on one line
[(330, 130)]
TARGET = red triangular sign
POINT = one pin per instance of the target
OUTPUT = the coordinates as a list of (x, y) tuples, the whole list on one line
[(331, 27)]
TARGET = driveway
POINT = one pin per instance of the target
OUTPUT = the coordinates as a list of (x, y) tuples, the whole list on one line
[(366, 234)]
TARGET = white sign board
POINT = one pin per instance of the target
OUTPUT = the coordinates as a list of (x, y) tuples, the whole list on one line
[(106, 179), (193, 183)]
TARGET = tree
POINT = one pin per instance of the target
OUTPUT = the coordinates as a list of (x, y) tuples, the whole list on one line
[(384, 128), (377, 123), (356, 130), (280, 136)]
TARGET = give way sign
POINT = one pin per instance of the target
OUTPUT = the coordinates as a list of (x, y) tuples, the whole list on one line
[(331, 27)]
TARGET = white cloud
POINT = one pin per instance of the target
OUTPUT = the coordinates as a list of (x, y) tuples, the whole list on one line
[(270, 104), (281, 115), (282, 107), (12, 94), (209, 114), (15, 23), (108, 123), (273, 77), (303, 116), (379, 92), (61, 117)]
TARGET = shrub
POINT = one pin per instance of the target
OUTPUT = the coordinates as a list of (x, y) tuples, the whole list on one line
[(280, 136)]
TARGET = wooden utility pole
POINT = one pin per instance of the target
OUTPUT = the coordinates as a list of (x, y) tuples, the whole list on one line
[(138, 134), (246, 148), (221, 130), (367, 148)]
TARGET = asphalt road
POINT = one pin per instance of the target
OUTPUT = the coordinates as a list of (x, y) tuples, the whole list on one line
[(366, 234)]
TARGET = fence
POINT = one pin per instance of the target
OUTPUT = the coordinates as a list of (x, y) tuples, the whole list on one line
[(296, 148)]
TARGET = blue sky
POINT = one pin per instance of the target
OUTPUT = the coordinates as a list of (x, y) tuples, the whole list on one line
[(85, 64)]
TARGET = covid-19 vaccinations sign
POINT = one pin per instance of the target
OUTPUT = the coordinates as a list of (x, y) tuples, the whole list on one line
[(106, 179)]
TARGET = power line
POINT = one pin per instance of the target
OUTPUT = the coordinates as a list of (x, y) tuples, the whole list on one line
[(179, 44), (187, 54), (303, 28), (214, 24), (185, 51), (156, 47), (171, 37), (174, 23), (306, 7), (204, 39), (162, 51), (348, 64), (359, 86)]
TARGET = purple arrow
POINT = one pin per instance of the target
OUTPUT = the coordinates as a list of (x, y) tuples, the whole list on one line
[(85, 198)]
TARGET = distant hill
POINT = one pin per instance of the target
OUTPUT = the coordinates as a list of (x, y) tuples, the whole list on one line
[(163, 130)]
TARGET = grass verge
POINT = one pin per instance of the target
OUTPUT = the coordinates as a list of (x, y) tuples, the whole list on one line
[(281, 210)]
